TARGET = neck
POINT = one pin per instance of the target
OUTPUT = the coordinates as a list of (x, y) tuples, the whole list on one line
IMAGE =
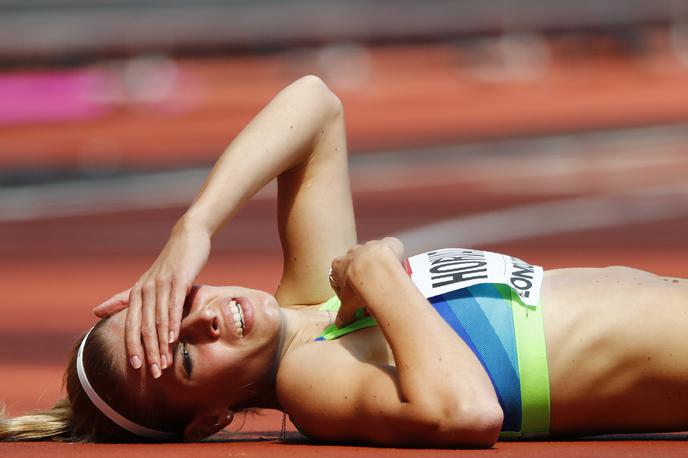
[(298, 326)]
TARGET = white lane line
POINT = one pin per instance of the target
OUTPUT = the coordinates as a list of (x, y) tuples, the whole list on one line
[(570, 215), (551, 164)]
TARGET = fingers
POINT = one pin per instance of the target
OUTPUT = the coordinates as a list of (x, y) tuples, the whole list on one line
[(132, 329), (162, 304), (155, 311), (343, 266), (339, 282), (149, 332), (350, 303), (339, 267), (334, 283), (179, 291)]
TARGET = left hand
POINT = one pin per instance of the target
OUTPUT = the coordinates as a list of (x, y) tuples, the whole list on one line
[(342, 267)]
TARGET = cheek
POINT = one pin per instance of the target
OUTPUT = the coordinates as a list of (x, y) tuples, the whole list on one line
[(220, 362)]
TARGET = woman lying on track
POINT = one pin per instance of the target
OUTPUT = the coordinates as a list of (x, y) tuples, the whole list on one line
[(446, 349)]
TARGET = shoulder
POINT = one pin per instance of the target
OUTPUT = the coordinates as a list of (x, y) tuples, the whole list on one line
[(306, 373), (326, 390), (333, 394)]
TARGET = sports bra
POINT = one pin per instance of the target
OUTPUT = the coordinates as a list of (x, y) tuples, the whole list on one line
[(492, 303)]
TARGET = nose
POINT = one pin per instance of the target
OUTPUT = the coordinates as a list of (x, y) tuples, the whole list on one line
[(201, 325)]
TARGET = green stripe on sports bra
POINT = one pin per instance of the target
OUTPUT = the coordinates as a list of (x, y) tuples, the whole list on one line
[(361, 321)]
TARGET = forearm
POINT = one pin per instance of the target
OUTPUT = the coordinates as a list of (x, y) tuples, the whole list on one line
[(279, 138), (437, 372)]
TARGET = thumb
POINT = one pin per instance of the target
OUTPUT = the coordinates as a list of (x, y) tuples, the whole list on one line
[(343, 318), (347, 311), (118, 302), (107, 309)]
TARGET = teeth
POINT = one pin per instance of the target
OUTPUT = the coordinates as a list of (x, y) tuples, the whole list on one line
[(238, 316)]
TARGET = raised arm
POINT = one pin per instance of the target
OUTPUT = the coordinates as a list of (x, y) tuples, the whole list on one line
[(300, 138), (438, 394)]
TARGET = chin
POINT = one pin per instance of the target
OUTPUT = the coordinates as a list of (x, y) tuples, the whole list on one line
[(271, 308)]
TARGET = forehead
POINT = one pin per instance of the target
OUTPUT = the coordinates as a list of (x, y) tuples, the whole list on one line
[(139, 383), (113, 331), (143, 392), (135, 381)]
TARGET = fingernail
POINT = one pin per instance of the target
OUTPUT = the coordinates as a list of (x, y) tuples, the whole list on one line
[(163, 361), (135, 362), (171, 337), (155, 370)]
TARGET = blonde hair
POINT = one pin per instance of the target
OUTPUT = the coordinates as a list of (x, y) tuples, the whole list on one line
[(75, 418), (52, 423)]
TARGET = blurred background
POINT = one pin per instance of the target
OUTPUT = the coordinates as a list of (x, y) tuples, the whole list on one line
[(555, 131)]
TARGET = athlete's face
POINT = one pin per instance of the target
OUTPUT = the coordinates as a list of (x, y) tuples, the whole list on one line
[(228, 342)]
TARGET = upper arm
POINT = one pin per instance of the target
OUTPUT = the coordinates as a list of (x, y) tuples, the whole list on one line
[(337, 398), (315, 211)]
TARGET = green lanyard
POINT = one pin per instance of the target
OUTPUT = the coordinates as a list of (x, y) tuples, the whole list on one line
[(361, 321)]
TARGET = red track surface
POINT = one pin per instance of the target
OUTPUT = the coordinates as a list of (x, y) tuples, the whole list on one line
[(54, 271)]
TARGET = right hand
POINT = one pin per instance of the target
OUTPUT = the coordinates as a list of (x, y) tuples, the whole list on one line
[(156, 301)]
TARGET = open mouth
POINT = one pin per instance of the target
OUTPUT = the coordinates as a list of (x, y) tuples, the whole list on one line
[(238, 315)]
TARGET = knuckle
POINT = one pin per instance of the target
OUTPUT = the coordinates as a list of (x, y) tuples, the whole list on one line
[(353, 249), (392, 240)]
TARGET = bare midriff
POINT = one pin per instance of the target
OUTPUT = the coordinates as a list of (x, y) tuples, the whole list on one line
[(617, 347)]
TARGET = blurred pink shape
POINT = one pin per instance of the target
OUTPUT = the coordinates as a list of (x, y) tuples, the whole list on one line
[(50, 96)]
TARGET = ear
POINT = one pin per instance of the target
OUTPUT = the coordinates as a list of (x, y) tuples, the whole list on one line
[(207, 423)]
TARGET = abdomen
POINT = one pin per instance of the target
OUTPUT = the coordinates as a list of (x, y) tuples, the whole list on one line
[(615, 349)]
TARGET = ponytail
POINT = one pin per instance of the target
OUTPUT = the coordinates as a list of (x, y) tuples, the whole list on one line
[(47, 424), (76, 418)]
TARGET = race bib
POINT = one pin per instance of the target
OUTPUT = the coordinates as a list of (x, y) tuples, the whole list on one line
[(440, 271)]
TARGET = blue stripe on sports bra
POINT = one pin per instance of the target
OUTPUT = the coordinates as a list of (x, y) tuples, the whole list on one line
[(483, 319)]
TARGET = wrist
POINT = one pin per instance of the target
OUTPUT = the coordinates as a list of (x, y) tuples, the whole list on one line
[(374, 270), (193, 222)]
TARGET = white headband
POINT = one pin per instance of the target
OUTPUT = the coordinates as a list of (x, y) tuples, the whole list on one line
[(109, 411)]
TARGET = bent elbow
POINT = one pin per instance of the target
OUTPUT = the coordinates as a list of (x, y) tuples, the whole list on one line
[(476, 426), (316, 86), (479, 427)]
